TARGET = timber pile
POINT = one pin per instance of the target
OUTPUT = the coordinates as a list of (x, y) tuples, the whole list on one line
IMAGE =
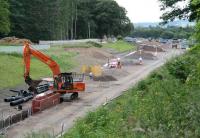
[(13, 41)]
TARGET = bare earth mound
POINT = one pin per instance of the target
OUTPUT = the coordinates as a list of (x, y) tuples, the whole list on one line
[(13, 41), (151, 48), (105, 78), (144, 55), (90, 56), (116, 73)]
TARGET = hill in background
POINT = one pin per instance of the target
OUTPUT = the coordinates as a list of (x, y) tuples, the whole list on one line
[(177, 23)]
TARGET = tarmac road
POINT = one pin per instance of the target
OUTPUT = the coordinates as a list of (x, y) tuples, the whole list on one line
[(62, 117)]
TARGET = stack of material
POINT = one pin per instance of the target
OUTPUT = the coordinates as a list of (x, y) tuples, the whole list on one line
[(13, 41), (44, 101), (151, 48)]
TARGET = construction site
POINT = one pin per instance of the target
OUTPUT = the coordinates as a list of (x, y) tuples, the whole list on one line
[(52, 103)]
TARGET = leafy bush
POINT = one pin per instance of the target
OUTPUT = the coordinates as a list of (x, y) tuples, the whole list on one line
[(119, 37)]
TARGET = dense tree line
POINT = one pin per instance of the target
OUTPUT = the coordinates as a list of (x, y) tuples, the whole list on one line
[(62, 19), (4, 17), (166, 33)]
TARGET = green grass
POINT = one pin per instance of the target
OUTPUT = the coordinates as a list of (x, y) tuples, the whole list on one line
[(11, 66), (81, 45), (120, 46), (163, 105)]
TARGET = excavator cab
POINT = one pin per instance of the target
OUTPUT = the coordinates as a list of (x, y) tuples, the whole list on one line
[(64, 81)]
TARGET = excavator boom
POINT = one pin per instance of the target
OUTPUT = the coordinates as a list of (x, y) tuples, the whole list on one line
[(28, 51)]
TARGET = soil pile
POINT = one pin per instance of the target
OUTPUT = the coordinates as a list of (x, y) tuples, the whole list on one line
[(90, 56), (151, 48), (116, 73), (143, 54), (91, 52), (13, 41), (105, 78)]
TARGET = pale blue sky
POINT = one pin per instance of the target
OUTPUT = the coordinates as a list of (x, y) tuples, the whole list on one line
[(142, 10)]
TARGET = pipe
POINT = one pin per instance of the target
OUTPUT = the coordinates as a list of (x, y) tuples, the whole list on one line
[(20, 101), (12, 98)]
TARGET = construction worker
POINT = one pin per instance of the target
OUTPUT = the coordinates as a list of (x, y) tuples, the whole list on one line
[(140, 61), (118, 63), (91, 75)]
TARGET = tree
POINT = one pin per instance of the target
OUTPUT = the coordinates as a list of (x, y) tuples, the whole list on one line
[(4, 17), (67, 19), (173, 10)]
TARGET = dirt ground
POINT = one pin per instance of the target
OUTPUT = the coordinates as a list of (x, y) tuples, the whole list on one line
[(97, 92)]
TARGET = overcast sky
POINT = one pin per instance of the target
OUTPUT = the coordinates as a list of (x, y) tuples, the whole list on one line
[(142, 10)]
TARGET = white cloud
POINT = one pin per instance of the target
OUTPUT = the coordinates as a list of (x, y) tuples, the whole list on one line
[(142, 10)]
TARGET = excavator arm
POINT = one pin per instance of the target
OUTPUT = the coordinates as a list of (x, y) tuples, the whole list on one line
[(27, 52)]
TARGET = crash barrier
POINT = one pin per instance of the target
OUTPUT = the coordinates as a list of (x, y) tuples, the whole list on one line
[(95, 69), (6, 122), (44, 101)]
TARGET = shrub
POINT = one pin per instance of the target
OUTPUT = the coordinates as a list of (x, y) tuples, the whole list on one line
[(95, 44), (119, 37)]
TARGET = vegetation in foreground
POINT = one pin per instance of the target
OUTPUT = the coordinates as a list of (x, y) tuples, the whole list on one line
[(11, 66), (120, 46), (166, 104)]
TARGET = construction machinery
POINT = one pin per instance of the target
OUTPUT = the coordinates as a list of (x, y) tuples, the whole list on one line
[(63, 83)]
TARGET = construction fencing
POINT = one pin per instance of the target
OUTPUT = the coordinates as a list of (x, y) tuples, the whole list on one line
[(7, 121)]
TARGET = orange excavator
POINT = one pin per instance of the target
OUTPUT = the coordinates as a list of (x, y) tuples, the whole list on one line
[(63, 83)]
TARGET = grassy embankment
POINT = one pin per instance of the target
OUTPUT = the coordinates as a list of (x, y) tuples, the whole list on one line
[(120, 46), (11, 66), (166, 104)]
